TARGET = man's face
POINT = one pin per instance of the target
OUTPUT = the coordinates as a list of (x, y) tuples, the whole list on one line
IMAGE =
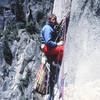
[(53, 20)]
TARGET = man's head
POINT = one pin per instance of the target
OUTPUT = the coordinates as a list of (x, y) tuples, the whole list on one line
[(52, 18)]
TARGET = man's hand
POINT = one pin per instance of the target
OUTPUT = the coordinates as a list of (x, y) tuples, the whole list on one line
[(60, 43)]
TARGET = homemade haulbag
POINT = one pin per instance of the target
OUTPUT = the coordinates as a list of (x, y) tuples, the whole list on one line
[(42, 77)]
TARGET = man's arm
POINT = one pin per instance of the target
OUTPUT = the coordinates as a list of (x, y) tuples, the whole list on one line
[(48, 37)]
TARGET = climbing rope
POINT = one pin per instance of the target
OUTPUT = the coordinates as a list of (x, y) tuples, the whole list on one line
[(61, 95), (62, 76)]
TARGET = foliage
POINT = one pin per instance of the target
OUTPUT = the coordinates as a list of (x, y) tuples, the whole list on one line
[(24, 82), (33, 31), (31, 27), (11, 31), (40, 17), (22, 1), (17, 9), (37, 1), (1, 10), (1, 34), (20, 25), (34, 26), (7, 52), (52, 1)]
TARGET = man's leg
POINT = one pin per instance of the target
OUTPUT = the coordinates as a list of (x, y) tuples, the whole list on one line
[(52, 80), (58, 50)]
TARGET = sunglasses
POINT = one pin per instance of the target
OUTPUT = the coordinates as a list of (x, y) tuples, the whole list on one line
[(53, 18)]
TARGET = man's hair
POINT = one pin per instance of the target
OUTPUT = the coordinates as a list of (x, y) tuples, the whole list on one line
[(51, 16)]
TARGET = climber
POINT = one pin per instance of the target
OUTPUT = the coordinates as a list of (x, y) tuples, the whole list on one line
[(48, 37)]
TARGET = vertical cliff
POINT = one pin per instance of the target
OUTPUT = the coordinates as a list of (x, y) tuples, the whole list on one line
[(20, 24), (81, 55), (62, 8)]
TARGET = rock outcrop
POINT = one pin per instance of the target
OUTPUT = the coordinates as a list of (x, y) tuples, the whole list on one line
[(20, 24)]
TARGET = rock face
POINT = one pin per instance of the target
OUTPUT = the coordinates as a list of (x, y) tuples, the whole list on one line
[(23, 10), (20, 74), (81, 56), (1, 23), (5, 3), (62, 8), (17, 76)]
